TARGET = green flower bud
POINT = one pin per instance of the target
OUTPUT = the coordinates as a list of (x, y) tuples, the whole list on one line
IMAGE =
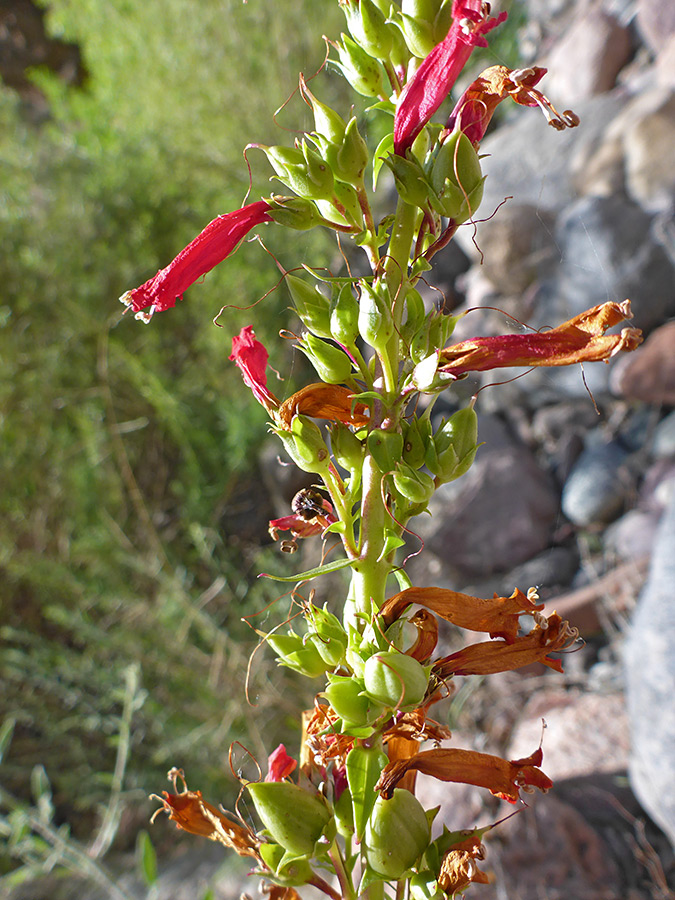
[(293, 817), (397, 834), (332, 364), (418, 487), (394, 679), (353, 156), (300, 655), (456, 178), (312, 306), (365, 74), (294, 212), (386, 448), (409, 179), (347, 448), (368, 27), (344, 316), (456, 444), (345, 695), (376, 325), (305, 445)]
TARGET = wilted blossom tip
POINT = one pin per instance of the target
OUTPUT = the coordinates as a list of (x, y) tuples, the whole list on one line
[(251, 358), (211, 246)]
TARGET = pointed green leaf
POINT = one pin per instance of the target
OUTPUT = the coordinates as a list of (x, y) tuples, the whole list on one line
[(311, 573)]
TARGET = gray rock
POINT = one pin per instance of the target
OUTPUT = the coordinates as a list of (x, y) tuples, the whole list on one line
[(632, 536), (498, 515), (656, 21), (597, 486), (663, 445), (608, 254), (648, 148), (650, 682), (588, 57)]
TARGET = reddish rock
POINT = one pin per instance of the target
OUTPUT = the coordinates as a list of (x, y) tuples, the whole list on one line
[(648, 374)]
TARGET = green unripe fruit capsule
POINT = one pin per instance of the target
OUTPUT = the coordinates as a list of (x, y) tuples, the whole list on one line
[(427, 10), (376, 325), (409, 179), (395, 680), (294, 818), (424, 886), (294, 212), (414, 446), (456, 178), (305, 445), (418, 34), (312, 306), (353, 156), (456, 444), (397, 834), (332, 364), (345, 695), (369, 29), (330, 638), (386, 448), (365, 74), (347, 448), (418, 487), (301, 656), (344, 316)]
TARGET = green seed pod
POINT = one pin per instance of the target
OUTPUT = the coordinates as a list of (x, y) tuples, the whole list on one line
[(418, 487), (347, 448), (332, 364), (386, 448), (365, 74), (319, 173), (376, 325), (281, 157), (305, 445), (345, 695), (394, 679), (369, 28), (294, 212), (344, 316), (312, 306), (346, 201), (418, 35), (414, 446), (300, 655), (456, 444), (424, 886), (353, 156), (364, 766), (443, 21), (415, 315), (330, 636), (293, 817), (397, 834), (410, 180), (426, 10), (456, 178), (327, 122)]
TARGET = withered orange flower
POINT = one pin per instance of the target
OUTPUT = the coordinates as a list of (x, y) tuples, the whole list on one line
[(279, 892), (323, 401), (459, 869), (501, 777), (580, 339), (476, 106), (497, 616), (488, 657), (192, 813)]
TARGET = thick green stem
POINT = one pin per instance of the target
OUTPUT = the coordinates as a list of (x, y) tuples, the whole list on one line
[(369, 574)]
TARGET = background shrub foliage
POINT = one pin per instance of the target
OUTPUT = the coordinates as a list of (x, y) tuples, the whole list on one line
[(125, 454)]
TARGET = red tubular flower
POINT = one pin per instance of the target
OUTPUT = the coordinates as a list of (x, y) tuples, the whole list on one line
[(476, 106), (279, 764), (251, 357), (434, 79), (214, 244)]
